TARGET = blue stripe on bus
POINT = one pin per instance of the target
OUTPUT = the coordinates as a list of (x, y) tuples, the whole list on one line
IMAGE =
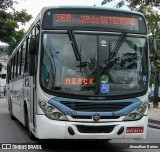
[(134, 104)]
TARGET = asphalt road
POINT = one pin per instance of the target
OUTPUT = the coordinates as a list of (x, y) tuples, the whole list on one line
[(14, 132)]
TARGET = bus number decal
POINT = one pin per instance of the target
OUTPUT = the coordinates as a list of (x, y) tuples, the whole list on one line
[(70, 113)]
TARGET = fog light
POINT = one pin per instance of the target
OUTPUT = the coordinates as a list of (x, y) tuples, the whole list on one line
[(132, 115)]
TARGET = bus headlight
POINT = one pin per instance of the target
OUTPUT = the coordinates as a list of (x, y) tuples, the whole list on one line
[(50, 111), (137, 113)]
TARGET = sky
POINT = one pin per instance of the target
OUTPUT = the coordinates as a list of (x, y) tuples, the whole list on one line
[(33, 7)]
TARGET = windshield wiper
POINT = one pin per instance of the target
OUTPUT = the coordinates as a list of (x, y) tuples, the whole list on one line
[(118, 45), (74, 45), (114, 52), (115, 49)]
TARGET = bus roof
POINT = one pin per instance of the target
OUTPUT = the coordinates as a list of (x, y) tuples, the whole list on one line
[(91, 8)]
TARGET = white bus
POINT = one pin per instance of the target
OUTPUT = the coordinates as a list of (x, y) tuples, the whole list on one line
[(81, 73)]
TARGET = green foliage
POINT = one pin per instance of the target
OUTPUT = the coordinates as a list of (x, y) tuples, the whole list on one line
[(10, 20), (14, 42), (135, 4), (158, 43), (153, 21), (5, 4)]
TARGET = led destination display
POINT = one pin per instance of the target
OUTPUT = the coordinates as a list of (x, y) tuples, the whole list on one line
[(96, 20), (93, 20), (100, 21)]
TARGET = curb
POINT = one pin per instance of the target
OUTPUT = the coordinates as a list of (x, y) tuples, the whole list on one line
[(2, 98), (154, 124)]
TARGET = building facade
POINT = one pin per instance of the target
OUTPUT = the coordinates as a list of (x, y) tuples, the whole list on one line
[(3, 61)]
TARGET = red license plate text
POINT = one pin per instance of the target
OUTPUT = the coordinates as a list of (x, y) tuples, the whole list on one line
[(134, 130)]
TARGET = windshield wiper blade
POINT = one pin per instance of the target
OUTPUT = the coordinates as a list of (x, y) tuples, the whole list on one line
[(116, 48), (74, 45), (114, 52), (118, 45)]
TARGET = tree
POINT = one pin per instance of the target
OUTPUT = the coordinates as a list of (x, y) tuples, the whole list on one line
[(10, 20), (136, 5), (153, 19), (150, 10), (13, 43)]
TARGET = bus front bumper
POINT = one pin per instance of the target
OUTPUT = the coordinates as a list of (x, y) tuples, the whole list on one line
[(52, 129)]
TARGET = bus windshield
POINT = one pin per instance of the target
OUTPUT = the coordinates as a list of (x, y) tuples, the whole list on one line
[(99, 69)]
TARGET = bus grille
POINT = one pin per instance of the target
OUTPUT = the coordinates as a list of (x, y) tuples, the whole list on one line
[(90, 117), (95, 129), (96, 106)]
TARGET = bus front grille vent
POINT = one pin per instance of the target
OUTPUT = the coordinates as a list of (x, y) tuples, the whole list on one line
[(90, 117), (95, 129), (96, 106)]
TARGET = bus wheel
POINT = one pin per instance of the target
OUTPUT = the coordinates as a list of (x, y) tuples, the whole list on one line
[(31, 136), (11, 112)]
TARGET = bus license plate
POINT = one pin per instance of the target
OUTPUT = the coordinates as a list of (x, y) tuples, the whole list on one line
[(134, 130)]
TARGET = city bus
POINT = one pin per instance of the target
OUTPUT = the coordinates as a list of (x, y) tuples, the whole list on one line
[(82, 73)]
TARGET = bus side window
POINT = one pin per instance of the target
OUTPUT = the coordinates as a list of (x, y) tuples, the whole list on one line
[(13, 67), (17, 66), (26, 57), (37, 36), (20, 59), (23, 57), (9, 71)]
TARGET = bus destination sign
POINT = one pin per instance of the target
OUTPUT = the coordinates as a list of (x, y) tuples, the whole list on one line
[(119, 22)]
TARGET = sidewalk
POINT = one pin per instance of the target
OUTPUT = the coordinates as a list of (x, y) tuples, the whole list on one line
[(1, 95), (154, 116)]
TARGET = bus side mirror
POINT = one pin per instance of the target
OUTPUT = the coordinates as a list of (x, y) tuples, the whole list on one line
[(33, 43), (152, 45), (33, 50)]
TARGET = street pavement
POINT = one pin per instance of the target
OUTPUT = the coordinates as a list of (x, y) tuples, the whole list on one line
[(154, 116)]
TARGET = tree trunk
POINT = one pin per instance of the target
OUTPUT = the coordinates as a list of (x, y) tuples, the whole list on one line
[(156, 89)]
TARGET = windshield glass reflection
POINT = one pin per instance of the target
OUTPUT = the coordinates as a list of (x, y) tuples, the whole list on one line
[(95, 69)]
